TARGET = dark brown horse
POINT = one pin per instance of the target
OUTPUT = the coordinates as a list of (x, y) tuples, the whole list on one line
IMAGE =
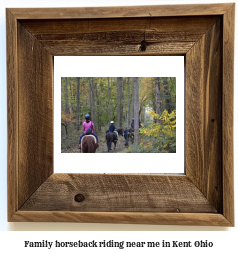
[(89, 144)]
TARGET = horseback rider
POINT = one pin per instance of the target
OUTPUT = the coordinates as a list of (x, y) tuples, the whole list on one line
[(132, 124), (87, 124), (112, 129), (112, 126)]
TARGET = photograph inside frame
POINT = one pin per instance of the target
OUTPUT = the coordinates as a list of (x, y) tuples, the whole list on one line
[(118, 114)]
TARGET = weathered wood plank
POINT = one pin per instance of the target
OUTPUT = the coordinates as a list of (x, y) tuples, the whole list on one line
[(71, 48), (181, 25), (35, 132), (227, 113), (141, 193), (12, 116), (204, 115), (119, 36), (121, 11), (192, 219), (78, 26)]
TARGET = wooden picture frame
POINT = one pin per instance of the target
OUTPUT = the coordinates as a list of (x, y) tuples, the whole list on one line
[(204, 34)]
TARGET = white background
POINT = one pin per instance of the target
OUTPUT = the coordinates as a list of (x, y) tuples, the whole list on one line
[(224, 241), (98, 66)]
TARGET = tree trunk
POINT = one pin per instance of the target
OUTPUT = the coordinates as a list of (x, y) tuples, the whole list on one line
[(89, 96), (109, 99), (78, 101), (136, 111), (132, 101), (93, 100), (66, 129), (118, 101), (168, 101), (66, 97), (122, 102), (158, 96), (97, 108), (128, 105), (98, 116)]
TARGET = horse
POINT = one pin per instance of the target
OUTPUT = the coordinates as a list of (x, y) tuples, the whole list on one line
[(111, 138), (89, 144), (119, 131)]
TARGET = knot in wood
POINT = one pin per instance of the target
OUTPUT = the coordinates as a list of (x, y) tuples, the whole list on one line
[(143, 45), (79, 198)]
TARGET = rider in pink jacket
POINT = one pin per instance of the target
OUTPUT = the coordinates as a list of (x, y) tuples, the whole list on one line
[(86, 125)]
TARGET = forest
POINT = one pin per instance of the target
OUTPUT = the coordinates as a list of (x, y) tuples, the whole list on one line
[(150, 101)]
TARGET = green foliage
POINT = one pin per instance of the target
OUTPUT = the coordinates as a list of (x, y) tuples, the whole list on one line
[(158, 137)]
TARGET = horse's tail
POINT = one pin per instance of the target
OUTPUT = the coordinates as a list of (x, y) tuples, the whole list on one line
[(109, 137), (84, 145)]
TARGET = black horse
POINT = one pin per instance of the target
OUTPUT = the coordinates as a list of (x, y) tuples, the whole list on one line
[(119, 131), (111, 138)]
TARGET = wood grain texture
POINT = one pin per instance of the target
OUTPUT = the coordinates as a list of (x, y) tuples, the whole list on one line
[(119, 36), (104, 193), (35, 114), (12, 114), (192, 219), (121, 11), (49, 29), (227, 113), (204, 115), (72, 48)]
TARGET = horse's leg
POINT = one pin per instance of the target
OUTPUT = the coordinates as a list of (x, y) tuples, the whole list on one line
[(109, 145)]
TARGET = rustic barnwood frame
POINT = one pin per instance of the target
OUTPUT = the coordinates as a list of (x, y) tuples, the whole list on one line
[(204, 34)]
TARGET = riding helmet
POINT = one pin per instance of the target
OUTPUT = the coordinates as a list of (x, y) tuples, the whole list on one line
[(111, 122), (87, 117)]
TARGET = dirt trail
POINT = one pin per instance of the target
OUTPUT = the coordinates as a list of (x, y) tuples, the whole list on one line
[(117, 150), (120, 147)]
